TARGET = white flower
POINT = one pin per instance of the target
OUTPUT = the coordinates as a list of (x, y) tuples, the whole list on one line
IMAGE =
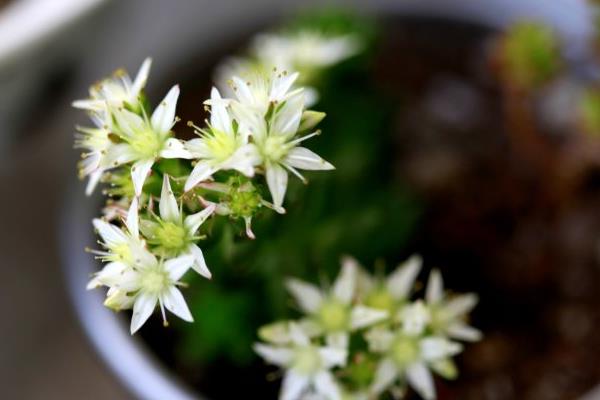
[(448, 315), (123, 248), (175, 235), (307, 366), (332, 313), (303, 49), (408, 357), (143, 140), (391, 293), (220, 147), (277, 143), (116, 91)]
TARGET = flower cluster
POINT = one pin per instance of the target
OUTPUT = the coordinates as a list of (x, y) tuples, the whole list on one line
[(364, 336), (238, 164)]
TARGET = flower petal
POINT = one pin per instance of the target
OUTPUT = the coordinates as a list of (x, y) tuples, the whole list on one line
[(401, 281), (199, 263), (334, 356), (173, 300), (244, 159), (279, 356), (142, 309), (345, 284), (435, 288), (130, 123), (339, 340), (460, 305), (362, 316), (385, 375), (132, 220), (168, 208), (194, 221), (202, 171), (93, 180), (434, 348), (462, 331), (219, 117), (303, 158), (139, 172), (327, 386), (163, 117), (277, 180), (174, 148), (293, 385), (176, 267), (307, 296), (141, 77), (110, 234), (419, 377), (287, 120)]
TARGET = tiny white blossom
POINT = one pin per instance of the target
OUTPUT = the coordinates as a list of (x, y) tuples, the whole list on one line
[(449, 314), (95, 142), (116, 91), (307, 366), (220, 146), (278, 146), (408, 357), (175, 235), (143, 139), (332, 312)]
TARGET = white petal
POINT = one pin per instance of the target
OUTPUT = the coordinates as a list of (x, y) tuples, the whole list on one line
[(176, 267), (277, 180), (362, 316), (244, 159), (385, 375), (401, 281), (345, 284), (327, 386), (287, 120), (298, 336), (139, 173), (168, 208), (293, 385), (173, 300), (199, 263), (110, 234), (460, 305), (334, 356), (90, 105), (435, 287), (339, 340), (141, 77), (435, 348), (274, 355), (419, 377), (129, 122), (174, 148), (93, 180), (118, 154), (462, 331), (251, 121), (142, 309), (303, 158), (202, 171), (108, 275), (132, 221), (219, 117), (163, 117), (307, 296), (242, 91), (281, 85), (194, 221)]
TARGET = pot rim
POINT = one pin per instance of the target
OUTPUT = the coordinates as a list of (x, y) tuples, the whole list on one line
[(136, 367)]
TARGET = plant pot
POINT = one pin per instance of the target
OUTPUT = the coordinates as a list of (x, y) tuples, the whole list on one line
[(132, 362)]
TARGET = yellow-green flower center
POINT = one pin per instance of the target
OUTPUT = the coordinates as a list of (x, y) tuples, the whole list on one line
[(221, 145), (146, 143), (381, 299), (154, 280), (334, 316), (306, 360), (122, 252), (171, 237), (404, 350), (274, 148)]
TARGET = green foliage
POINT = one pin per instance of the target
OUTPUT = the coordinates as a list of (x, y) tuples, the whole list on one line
[(531, 54)]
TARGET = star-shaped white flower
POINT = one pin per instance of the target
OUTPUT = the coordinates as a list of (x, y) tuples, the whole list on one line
[(142, 140), (175, 235), (408, 355), (220, 146), (389, 293), (277, 142), (307, 366), (116, 91), (449, 314), (332, 312)]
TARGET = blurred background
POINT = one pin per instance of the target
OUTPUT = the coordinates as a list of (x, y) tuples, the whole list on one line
[(51, 50)]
